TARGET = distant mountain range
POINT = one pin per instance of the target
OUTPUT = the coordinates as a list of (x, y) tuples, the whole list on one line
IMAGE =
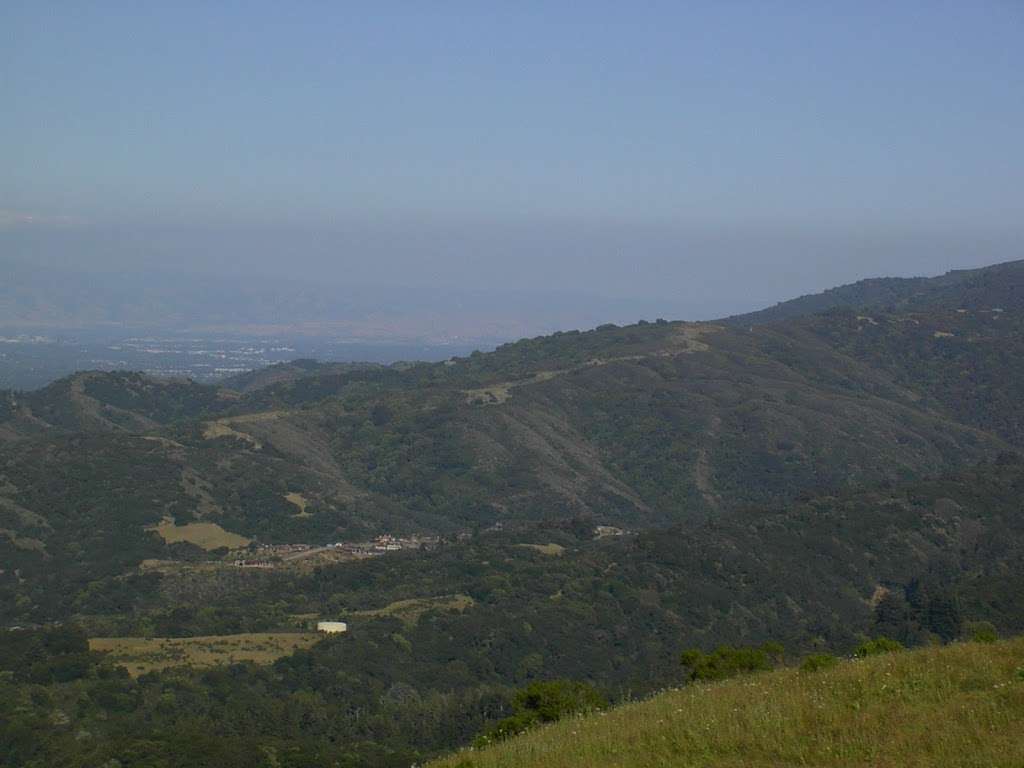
[(998, 286), (634, 426), (840, 466)]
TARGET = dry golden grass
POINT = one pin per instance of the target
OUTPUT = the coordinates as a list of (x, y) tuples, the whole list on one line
[(225, 427), (552, 550), (146, 654), (216, 429), (962, 705), (687, 338), (206, 535), (492, 395), (299, 501), (255, 418), (495, 394)]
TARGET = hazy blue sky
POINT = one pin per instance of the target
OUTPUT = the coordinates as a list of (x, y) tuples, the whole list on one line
[(743, 150)]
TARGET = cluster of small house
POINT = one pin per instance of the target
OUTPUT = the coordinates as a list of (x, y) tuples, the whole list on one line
[(386, 543), (251, 563), (270, 555), (280, 550)]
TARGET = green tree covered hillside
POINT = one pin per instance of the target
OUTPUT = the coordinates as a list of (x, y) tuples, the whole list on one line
[(646, 425)]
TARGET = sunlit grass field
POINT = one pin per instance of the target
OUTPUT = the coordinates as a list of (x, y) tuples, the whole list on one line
[(140, 655), (209, 536), (960, 705)]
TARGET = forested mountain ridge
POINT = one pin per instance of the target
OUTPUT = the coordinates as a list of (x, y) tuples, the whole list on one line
[(994, 287), (637, 426), (916, 561), (282, 373), (99, 401), (810, 481)]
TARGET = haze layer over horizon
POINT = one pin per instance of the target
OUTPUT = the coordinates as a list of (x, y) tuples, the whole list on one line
[(699, 161)]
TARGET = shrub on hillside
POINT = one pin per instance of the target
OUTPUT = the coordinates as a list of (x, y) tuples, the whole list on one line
[(982, 632), (775, 650), (727, 661), (877, 646), (544, 702), (818, 662)]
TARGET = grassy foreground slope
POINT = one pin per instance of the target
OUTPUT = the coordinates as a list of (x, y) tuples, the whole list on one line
[(959, 705)]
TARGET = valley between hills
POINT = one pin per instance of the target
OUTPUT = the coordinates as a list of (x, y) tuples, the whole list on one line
[(581, 506)]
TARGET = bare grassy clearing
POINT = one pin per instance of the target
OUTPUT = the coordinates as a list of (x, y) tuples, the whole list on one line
[(209, 536), (552, 550), (140, 655)]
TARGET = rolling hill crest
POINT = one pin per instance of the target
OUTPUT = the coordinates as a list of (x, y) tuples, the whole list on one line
[(646, 425)]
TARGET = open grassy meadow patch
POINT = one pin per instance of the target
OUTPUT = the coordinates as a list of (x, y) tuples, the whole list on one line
[(140, 655), (551, 550), (300, 502), (209, 536), (215, 429)]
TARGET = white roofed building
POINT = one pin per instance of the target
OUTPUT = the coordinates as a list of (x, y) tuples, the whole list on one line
[(331, 627)]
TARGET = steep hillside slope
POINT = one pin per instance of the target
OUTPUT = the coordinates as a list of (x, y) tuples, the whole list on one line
[(997, 286), (646, 425), (284, 373), (962, 705), (636, 426), (99, 401), (913, 561), (439, 640), (966, 363)]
